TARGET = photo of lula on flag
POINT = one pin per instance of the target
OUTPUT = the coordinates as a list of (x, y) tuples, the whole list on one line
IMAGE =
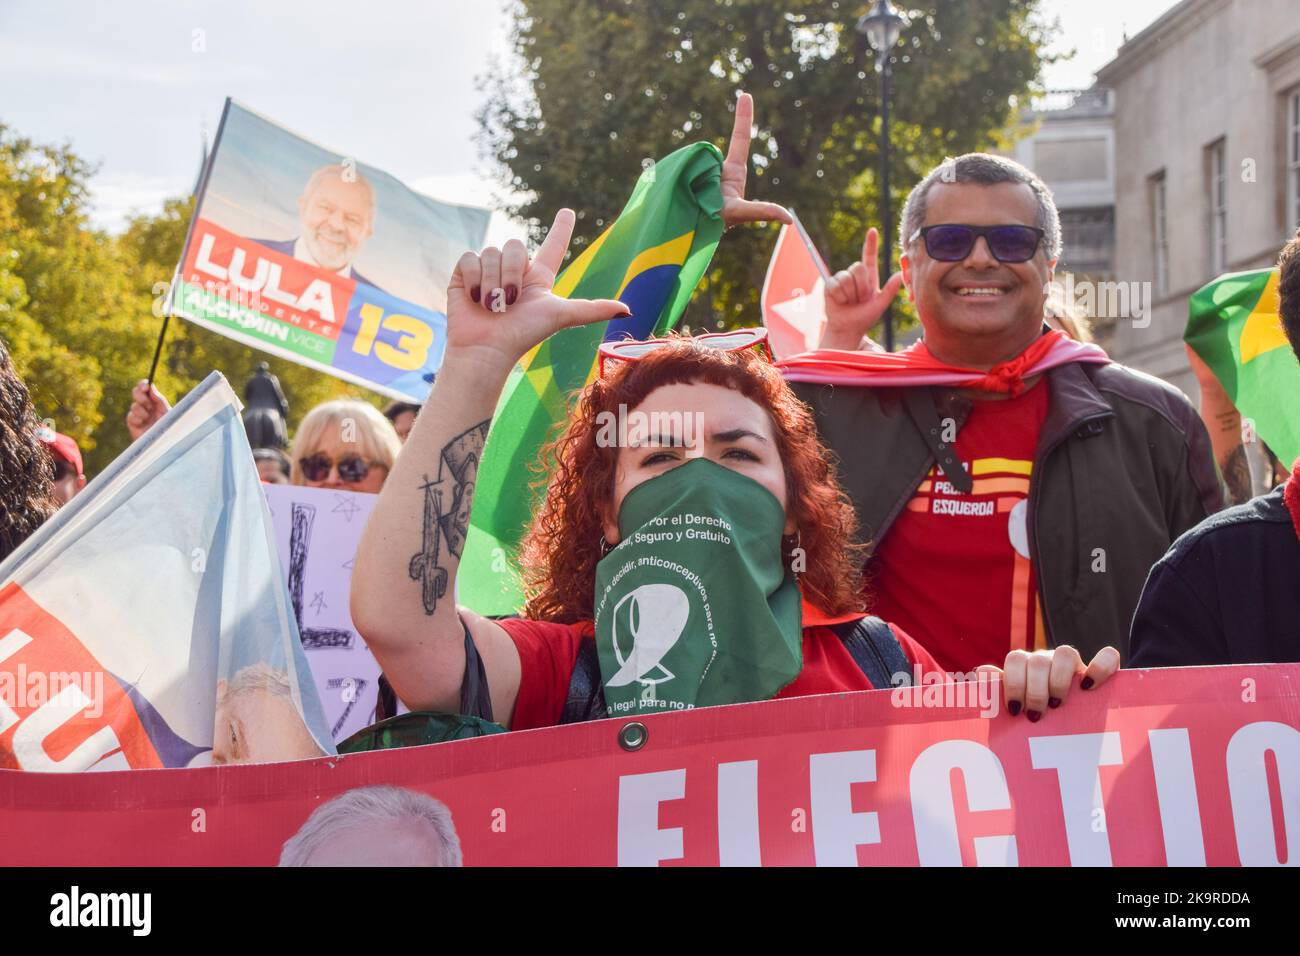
[(147, 624), (1233, 325), (314, 257)]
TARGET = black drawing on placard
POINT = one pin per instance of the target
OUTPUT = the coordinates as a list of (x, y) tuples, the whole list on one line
[(352, 688), (300, 525)]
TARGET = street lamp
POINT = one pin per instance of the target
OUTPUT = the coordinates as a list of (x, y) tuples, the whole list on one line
[(882, 25)]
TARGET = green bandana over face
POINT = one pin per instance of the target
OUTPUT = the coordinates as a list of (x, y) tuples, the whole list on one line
[(695, 606)]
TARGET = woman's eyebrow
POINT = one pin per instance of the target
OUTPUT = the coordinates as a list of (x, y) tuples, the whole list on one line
[(735, 434), (671, 440)]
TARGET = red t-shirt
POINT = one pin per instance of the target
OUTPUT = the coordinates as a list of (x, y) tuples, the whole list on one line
[(954, 569), (548, 652)]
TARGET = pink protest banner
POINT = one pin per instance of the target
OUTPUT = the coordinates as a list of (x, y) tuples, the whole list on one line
[(1181, 767)]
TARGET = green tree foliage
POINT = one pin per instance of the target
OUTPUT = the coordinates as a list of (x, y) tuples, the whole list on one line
[(59, 281), (80, 310), (596, 88)]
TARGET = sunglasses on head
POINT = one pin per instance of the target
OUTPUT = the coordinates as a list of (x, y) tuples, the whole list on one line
[(352, 468), (953, 242), (633, 350)]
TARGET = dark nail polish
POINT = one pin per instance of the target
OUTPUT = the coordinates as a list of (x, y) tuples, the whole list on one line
[(474, 293), (1033, 715), (1013, 707), (512, 293), (1053, 702), (1087, 683)]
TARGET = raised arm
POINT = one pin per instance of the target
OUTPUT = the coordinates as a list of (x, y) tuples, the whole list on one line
[(1223, 422), (404, 578)]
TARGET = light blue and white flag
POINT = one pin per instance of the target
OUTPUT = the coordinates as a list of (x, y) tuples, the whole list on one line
[(147, 624)]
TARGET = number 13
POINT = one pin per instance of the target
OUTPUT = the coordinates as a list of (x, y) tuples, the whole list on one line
[(412, 349)]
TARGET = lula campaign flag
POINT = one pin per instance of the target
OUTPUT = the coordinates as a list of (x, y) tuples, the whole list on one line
[(316, 533), (312, 256), (1233, 325), (794, 297), (146, 624)]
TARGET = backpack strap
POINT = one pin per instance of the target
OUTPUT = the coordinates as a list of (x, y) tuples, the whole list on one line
[(586, 698), (475, 695), (876, 650), (920, 404)]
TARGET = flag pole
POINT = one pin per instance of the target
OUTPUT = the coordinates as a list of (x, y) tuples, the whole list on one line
[(162, 334)]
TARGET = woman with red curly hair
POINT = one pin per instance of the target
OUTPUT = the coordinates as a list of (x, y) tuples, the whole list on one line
[(692, 547)]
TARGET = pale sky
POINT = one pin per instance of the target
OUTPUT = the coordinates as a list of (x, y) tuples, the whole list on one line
[(132, 84)]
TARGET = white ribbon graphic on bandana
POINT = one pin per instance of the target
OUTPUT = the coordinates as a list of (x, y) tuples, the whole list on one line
[(653, 616)]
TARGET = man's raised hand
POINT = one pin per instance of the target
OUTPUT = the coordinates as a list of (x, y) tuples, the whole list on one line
[(855, 300), (500, 305)]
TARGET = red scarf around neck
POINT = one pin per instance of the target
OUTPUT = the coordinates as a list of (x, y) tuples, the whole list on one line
[(916, 366)]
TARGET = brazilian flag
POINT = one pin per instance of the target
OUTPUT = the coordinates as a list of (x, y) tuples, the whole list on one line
[(651, 258), (1234, 326)]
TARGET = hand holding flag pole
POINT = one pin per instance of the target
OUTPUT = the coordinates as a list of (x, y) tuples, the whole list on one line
[(148, 406)]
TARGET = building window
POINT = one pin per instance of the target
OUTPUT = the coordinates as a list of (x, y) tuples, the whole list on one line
[(1217, 193), (1160, 233), (1292, 162), (1088, 240)]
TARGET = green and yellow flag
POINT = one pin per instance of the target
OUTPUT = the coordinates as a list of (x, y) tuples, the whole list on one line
[(1234, 326), (651, 258)]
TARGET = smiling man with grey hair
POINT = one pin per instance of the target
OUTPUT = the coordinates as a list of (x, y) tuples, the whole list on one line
[(1024, 508), (376, 826), (336, 215), (982, 169)]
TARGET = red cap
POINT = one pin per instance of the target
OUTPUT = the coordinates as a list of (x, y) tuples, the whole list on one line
[(62, 447)]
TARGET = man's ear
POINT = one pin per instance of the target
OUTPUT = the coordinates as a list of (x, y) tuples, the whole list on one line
[(905, 264)]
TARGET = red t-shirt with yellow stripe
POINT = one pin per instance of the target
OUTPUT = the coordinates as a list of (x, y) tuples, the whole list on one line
[(954, 569)]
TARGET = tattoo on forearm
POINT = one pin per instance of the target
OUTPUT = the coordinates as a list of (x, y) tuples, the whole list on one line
[(1229, 421), (1236, 473), (447, 501)]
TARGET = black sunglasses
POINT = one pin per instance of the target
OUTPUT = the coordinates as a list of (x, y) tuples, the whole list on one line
[(352, 468), (953, 242)]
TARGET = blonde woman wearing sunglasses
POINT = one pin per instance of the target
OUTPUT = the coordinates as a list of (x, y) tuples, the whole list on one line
[(345, 445)]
